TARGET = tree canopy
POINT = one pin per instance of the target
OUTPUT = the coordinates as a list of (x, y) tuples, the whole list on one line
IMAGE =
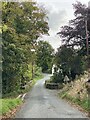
[(45, 54), (22, 24), (74, 34), (71, 56)]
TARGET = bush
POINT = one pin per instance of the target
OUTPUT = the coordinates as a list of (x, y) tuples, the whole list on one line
[(57, 77)]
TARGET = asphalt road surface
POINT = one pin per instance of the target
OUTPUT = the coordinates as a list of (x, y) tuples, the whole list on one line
[(44, 103)]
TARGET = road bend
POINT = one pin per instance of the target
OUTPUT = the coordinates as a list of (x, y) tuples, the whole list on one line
[(44, 103)]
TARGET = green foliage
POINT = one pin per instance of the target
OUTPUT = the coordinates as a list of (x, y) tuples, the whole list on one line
[(71, 56), (64, 58), (45, 56), (74, 34), (38, 77), (37, 71), (58, 77), (68, 63), (22, 24), (8, 104), (78, 66)]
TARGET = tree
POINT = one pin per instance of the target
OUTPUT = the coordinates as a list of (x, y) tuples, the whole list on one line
[(78, 66), (72, 54), (68, 63), (45, 54), (22, 24), (74, 34), (64, 58)]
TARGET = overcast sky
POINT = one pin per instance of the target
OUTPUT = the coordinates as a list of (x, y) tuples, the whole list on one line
[(59, 13)]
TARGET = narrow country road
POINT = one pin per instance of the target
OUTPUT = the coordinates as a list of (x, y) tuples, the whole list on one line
[(44, 103)]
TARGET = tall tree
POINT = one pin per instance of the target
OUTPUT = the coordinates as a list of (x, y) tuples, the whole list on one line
[(22, 24), (45, 54), (68, 63), (71, 55), (75, 34)]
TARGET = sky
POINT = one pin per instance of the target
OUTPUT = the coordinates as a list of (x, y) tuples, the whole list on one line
[(59, 13)]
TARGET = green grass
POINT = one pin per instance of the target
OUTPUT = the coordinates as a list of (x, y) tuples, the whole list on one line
[(38, 78), (85, 103), (8, 104)]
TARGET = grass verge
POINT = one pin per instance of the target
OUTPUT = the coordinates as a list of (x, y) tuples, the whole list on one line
[(6, 105), (9, 103), (84, 103), (38, 78)]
